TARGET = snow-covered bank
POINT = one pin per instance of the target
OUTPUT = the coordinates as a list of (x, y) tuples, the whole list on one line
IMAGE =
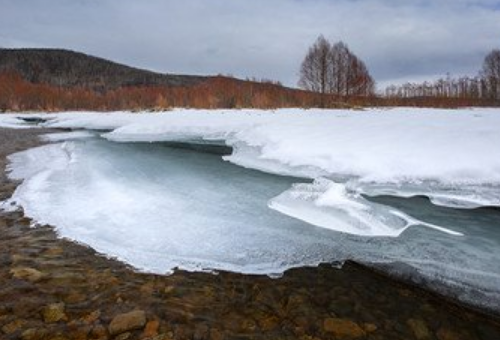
[(452, 156)]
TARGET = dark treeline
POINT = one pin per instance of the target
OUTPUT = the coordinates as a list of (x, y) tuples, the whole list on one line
[(63, 68), (481, 90)]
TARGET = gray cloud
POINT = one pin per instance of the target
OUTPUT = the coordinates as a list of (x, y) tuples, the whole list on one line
[(398, 40)]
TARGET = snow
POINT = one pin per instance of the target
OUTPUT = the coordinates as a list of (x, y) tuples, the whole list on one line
[(451, 156)]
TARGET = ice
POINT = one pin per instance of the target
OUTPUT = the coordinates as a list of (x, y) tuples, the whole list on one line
[(65, 136), (330, 205), (396, 147), (9, 121), (158, 208)]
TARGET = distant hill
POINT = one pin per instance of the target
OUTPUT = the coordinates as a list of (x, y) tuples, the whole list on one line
[(64, 68)]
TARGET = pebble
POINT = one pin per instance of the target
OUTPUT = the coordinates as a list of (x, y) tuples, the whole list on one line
[(151, 329), (25, 273), (419, 329), (54, 313), (343, 328), (127, 322), (13, 326)]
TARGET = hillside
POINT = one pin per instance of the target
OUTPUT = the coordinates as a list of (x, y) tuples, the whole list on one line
[(65, 68), (59, 80)]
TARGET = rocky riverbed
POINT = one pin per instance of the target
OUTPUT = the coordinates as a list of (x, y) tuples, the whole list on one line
[(52, 289)]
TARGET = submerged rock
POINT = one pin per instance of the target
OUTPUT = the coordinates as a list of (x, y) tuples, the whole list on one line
[(419, 329), (343, 328), (151, 329), (127, 322), (54, 313), (28, 274), (13, 326)]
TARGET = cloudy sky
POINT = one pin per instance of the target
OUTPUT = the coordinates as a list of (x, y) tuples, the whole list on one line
[(399, 40)]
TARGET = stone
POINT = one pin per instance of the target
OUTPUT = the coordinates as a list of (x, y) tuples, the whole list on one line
[(79, 332), (28, 274), (127, 322), (54, 313), (13, 326), (151, 329), (201, 332), (447, 334), (343, 328), (124, 336), (216, 334), (370, 327), (168, 336), (74, 297), (92, 317), (269, 323), (168, 290), (31, 334), (419, 329), (58, 337), (99, 332), (54, 251)]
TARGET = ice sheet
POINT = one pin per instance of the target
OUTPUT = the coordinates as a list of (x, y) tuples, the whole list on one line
[(157, 208), (331, 205), (397, 147), (65, 136)]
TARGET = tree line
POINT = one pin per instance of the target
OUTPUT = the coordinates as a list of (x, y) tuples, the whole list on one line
[(331, 76), (483, 88), (333, 69)]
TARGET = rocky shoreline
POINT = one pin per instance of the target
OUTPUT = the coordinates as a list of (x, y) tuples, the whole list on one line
[(55, 289)]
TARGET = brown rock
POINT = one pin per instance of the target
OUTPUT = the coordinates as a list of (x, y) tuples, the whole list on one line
[(92, 317), (268, 323), (151, 329), (28, 274), (59, 337), (54, 251), (99, 332), (201, 332), (168, 336), (127, 322), (215, 334), (419, 329), (79, 332), (124, 336), (370, 327), (447, 334), (32, 334), (74, 297), (343, 328), (13, 326), (54, 313), (168, 290)]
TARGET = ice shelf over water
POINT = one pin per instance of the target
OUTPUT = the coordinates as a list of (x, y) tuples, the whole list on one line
[(114, 185)]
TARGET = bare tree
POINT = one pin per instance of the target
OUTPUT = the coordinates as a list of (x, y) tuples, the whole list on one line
[(329, 69), (314, 68), (491, 74)]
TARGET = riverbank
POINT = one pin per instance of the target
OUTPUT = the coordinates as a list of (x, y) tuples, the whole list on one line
[(56, 289)]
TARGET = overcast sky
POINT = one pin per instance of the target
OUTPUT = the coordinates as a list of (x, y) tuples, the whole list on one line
[(398, 39)]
